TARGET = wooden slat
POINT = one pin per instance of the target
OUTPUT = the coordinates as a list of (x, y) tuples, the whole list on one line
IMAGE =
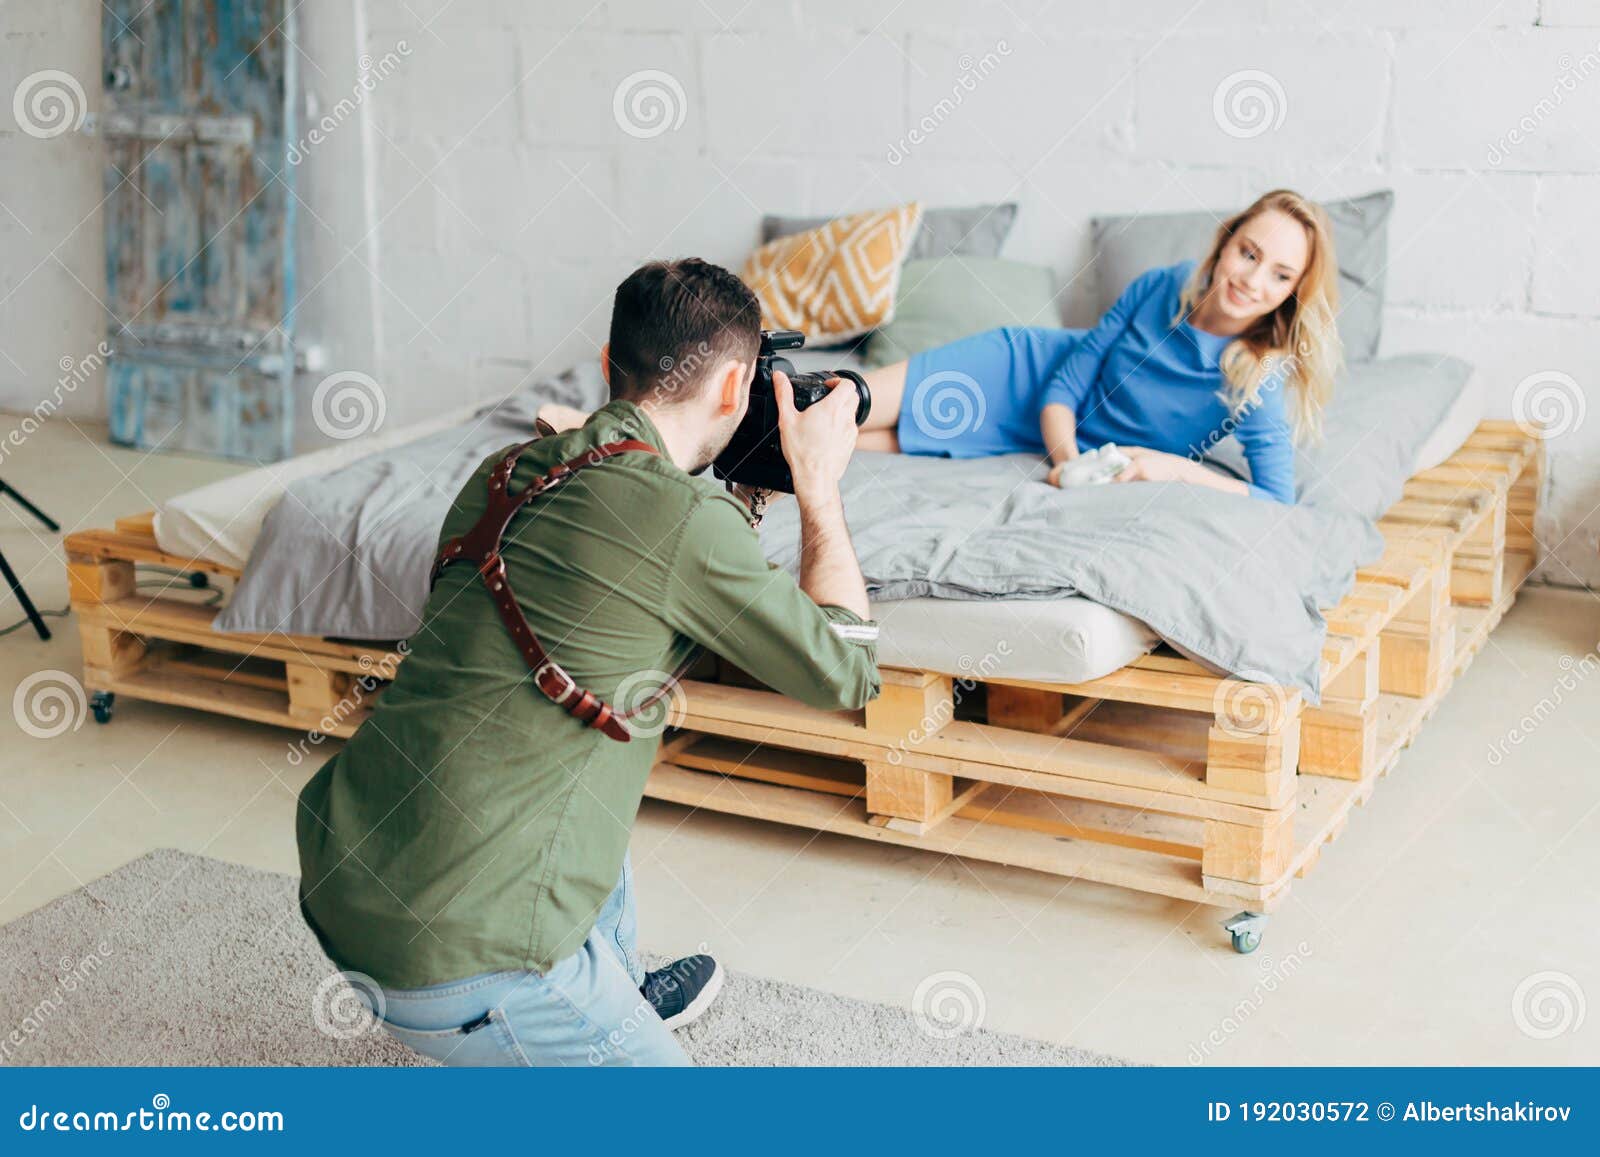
[(143, 525), (1165, 661), (772, 765), (1109, 773), (224, 669), (242, 701), (1042, 851), (1448, 483), (184, 622), (1074, 820), (1395, 569), (1501, 433), (112, 544), (1159, 688)]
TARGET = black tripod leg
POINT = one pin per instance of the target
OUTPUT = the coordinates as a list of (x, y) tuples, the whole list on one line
[(22, 597), (30, 507)]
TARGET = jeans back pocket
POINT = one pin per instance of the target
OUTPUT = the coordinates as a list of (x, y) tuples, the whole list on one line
[(486, 1042)]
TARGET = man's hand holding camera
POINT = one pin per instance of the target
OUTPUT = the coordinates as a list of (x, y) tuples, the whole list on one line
[(818, 442)]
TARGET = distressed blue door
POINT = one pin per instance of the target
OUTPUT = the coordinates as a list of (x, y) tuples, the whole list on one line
[(199, 224)]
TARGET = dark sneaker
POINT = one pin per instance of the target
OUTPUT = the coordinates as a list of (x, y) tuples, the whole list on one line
[(683, 990)]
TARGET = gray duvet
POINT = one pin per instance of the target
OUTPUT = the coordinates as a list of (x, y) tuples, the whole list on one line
[(1233, 582)]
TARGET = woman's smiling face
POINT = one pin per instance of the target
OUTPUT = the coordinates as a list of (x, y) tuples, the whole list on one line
[(1260, 266)]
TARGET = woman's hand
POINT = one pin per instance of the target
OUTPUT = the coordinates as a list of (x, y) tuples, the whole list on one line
[(1156, 466), (1054, 477)]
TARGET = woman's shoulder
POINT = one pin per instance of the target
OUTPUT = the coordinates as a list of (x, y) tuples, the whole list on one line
[(1175, 276), (1162, 284)]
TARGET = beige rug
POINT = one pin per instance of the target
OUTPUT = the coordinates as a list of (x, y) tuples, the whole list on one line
[(176, 959)]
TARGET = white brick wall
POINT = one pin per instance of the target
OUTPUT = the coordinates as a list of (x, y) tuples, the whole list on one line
[(1458, 100), (1332, 89), (1433, 213), (52, 264), (1566, 264), (475, 229)]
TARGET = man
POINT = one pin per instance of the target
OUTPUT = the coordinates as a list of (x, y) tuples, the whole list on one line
[(467, 849)]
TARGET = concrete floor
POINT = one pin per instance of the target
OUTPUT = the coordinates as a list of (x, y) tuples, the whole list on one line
[(1453, 922)]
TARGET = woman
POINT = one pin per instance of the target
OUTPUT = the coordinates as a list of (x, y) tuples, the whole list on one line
[(1187, 355)]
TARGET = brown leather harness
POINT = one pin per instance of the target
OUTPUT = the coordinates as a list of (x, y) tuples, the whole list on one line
[(481, 546)]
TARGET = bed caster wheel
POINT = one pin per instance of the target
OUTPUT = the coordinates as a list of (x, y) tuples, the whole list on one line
[(102, 703), (1246, 929)]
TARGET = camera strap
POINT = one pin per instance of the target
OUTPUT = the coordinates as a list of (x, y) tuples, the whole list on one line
[(481, 546)]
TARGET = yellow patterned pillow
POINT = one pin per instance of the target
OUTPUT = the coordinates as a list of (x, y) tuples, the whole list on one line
[(837, 281)]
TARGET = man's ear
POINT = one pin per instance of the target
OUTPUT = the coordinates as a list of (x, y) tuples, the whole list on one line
[(729, 385), (605, 362)]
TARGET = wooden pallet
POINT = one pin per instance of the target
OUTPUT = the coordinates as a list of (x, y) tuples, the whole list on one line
[(162, 647), (1161, 776)]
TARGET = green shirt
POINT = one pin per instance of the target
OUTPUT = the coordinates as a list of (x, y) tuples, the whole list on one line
[(470, 825)]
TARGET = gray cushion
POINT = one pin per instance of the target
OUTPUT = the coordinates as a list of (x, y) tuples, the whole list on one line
[(947, 298), (1380, 416), (1124, 247), (975, 231)]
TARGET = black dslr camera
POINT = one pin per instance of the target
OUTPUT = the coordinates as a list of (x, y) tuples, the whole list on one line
[(755, 456)]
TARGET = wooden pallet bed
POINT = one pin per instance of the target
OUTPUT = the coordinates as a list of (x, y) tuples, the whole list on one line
[(1160, 776)]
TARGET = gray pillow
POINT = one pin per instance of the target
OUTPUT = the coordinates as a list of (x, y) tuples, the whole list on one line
[(1381, 413), (947, 298), (976, 231), (1125, 247)]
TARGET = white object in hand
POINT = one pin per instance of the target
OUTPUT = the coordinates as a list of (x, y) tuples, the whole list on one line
[(1094, 467)]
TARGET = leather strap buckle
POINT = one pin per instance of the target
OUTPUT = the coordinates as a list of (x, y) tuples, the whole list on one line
[(564, 687), (493, 566)]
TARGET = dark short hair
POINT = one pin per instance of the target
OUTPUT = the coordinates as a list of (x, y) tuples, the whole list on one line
[(672, 322)]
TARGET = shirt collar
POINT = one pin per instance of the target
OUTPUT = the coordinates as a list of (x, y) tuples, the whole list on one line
[(1206, 342), (632, 421)]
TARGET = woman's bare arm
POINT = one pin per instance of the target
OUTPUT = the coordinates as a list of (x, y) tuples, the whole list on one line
[(1058, 426), (1158, 466)]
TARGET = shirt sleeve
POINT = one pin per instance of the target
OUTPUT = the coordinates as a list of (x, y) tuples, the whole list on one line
[(1268, 444), (722, 594), (1069, 385)]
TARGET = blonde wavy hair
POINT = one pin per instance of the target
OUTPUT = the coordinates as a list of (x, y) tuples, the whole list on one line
[(1298, 340)]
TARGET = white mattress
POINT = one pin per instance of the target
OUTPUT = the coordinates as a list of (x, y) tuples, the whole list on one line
[(222, 521), (1471, 407), (1068, 640)]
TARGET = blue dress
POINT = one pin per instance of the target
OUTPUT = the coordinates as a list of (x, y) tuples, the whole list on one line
[(1135, 379)]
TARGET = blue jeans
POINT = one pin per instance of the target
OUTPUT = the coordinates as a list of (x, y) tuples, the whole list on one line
[(586, 1010)]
